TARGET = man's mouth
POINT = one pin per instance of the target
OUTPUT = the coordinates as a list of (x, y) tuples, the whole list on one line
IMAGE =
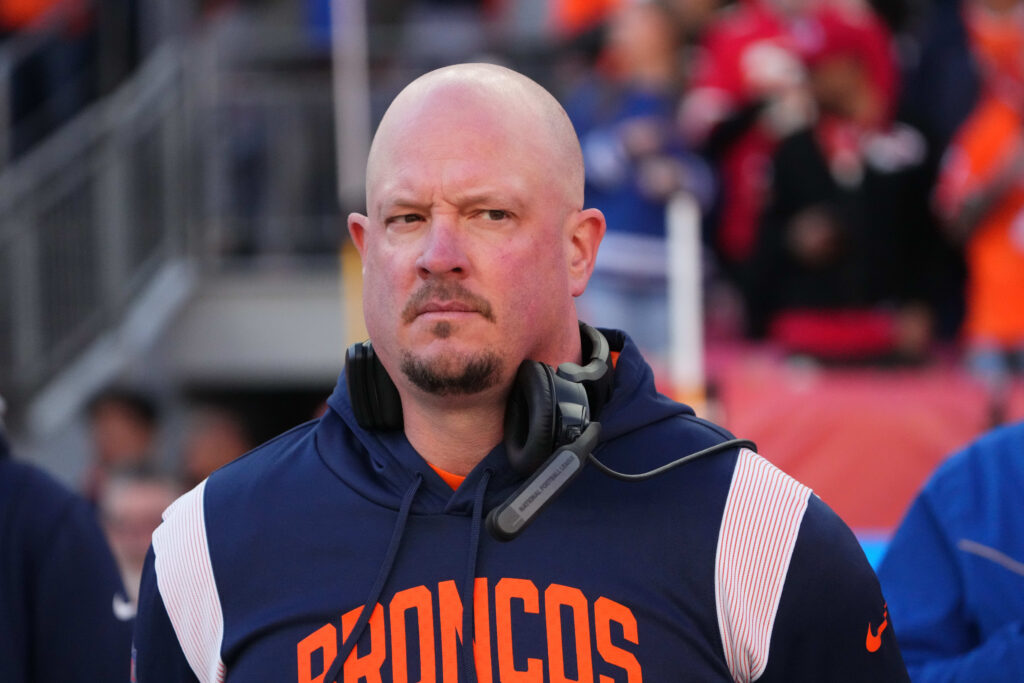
[(445, 307)]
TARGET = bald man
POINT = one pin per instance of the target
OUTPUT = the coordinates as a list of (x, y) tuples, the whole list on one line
[(493, 493)]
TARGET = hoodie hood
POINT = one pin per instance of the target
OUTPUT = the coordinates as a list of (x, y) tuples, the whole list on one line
[(382, 465), (635, 401)]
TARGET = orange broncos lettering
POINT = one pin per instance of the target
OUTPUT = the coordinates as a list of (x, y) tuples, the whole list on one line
[(368, 666), (605, 613), (451, 631), (420, 600), (418, 635), (526, 592), (555, 598), (324, 639)]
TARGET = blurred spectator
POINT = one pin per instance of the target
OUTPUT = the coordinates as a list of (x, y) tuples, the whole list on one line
[(439, 32), (954, 570), (898, 15), (694, 16), (215, 436), (130, 508), (846, 263), (63, 613), (123, 425), (747, 92), (572, 17), (635, 162), (940, 84), (980, 195), (119, 45), (53, 79)]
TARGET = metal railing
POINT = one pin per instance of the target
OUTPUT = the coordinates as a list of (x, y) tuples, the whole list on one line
[(210, 153), (71, 54), (265, 139), (86, 220)]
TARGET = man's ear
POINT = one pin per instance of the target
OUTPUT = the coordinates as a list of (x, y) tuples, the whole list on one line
[(357, 226), (586, 233)]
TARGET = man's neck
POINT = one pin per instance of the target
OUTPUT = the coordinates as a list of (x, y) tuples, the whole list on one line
[(454, 440), (455, 434)]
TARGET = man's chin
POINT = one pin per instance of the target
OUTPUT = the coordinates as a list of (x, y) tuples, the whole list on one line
[(462, 375)]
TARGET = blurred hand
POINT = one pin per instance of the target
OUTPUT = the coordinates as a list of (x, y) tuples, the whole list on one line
[(642, 136), (659, 177), (813, 238), (913, 330), (770, 70)]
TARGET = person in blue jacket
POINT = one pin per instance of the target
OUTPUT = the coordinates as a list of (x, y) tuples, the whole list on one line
[(482, 499), (64, 615), (954, 572)]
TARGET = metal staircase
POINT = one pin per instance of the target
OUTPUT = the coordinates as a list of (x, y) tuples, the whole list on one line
[(211, 164)]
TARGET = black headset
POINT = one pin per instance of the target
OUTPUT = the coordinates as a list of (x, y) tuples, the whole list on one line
[(550, 423), (545, 409)]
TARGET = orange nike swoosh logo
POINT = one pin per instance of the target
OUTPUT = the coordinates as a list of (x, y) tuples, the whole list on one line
[(873, 641)]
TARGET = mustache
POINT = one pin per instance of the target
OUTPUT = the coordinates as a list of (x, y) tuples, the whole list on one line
[(445, 292)]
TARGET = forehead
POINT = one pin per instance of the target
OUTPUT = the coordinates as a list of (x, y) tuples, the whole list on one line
[(454, 162), (459, 135)]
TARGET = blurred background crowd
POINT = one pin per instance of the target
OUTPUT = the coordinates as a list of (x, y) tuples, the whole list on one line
[(174, 177)]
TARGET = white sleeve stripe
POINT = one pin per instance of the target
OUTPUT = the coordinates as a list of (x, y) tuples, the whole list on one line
[(184, 576), (760, 524)]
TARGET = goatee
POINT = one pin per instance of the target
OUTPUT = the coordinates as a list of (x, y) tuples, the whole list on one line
[(480, 372)]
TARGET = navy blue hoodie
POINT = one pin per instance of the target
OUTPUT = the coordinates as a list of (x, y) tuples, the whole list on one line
[(63, 612), (721, 569)]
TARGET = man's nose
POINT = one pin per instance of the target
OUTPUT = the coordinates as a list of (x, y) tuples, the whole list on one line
[(443, 248)]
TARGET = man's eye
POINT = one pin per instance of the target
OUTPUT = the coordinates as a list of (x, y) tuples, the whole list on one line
[(404, 218), (495, 214)]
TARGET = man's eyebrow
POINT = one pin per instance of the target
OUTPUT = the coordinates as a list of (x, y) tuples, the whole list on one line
[(386, 206), (490, 198)]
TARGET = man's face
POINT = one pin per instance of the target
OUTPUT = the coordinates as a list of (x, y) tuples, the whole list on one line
[(131, 512), (465, 247), (119, 436)]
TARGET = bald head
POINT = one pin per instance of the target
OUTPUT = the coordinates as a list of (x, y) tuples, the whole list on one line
[(488, 99)]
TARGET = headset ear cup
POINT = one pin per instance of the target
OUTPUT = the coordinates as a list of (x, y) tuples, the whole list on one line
[(374, 397), (356, 379), (530, 417), (387, 401)]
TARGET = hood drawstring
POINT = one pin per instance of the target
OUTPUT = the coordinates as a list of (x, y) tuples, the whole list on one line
[(334, 672), (469, 583)]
